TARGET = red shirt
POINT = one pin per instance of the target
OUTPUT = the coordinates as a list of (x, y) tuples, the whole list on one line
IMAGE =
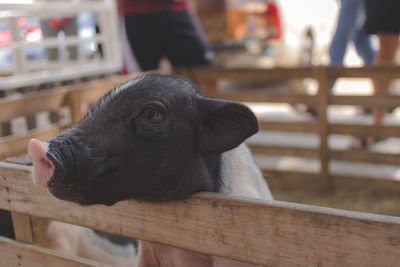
[(150, 6)]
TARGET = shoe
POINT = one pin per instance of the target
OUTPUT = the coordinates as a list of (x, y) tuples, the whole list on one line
[(360, 143)]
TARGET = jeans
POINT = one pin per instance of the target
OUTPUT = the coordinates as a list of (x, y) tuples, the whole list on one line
[(351, 28)]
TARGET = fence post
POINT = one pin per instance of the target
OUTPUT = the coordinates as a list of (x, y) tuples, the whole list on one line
[(206, 86), (322, 108), (22, 227), (74, 102), (29, 229)]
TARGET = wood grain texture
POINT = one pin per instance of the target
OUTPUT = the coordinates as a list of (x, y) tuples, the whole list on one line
[(31, 103), (280, 74), (264, 97), (267, 233), (22, 227), (322, 110), (378, 101), (14, 145), (284, 151), (386, 72), (39, 231), (13, 253), (246, 74), (292, 126), (365, 156), (365, 130), (334, 154)]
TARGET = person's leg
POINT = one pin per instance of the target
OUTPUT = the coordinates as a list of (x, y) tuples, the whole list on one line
[(385, 56), (363, 44), (143, 32), (184, 40), (344, 33), (362, 40)]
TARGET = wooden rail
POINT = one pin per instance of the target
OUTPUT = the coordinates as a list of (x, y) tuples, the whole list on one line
[(266, 233), (14, 253), (320, 102), (272, 233)]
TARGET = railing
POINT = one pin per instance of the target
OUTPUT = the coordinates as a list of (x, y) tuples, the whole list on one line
[(265, 233), (321, 101), (20, 71), (75, 98)]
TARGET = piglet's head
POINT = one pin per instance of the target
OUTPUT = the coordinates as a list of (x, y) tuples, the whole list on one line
[(154, 138)]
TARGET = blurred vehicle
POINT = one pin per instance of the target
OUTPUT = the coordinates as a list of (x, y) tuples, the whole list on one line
[(30, 32), (282, 32)]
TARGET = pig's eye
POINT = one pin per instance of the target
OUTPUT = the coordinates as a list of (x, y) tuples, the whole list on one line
[(152, 114)]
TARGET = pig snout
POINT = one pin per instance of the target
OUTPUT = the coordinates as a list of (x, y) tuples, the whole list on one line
[(43, 166)]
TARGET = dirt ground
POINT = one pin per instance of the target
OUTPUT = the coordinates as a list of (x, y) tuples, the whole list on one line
[(347, 199)]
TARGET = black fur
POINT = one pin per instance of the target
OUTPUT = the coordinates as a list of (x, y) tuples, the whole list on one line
[(155, 138)]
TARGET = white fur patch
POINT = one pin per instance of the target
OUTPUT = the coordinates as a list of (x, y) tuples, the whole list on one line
[(241, 176)]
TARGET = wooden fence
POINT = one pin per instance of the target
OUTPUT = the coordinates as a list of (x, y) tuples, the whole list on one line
[(320, 102), (76, 97), (267, 233)]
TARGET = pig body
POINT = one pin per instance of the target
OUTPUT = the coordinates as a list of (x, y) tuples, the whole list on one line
[(155, 138), (80, 241)]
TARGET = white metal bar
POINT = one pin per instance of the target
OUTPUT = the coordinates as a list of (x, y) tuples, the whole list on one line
[(18, 57), (26, 72), (54, 42), (53, 75)]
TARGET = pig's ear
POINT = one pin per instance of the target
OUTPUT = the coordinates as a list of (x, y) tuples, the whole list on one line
[(224, 125)]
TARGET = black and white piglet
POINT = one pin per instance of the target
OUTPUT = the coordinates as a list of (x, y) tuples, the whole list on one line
[(155, 138)]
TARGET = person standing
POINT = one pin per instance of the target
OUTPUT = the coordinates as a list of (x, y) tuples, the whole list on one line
[(383, 19), (164, 28)]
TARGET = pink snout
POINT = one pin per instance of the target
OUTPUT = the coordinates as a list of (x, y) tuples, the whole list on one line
[(43, 167)]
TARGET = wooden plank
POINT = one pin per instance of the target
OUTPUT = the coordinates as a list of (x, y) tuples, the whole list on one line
[(14, 145), (293, 126), (39, 231), (264, 97), (323, 101), (73, 101), (29, 229), (273, 74), (284, 151), (365, 130), (350, 193), (90, 92), (385, 72), (14, 253), (246, 74), (386, 101), (31, 103), (273, 233), (22, 227), (365, 156)]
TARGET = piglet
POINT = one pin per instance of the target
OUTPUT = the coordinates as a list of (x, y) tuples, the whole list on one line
[(155, 138)]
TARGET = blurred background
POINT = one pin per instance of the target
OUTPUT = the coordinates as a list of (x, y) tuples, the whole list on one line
[(45, 44)]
